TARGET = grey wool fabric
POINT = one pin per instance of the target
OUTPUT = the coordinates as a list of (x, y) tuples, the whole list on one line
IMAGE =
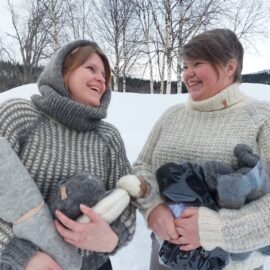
[(239, 184), (55, 138), (81, 188), (19, 195), (207, 130)]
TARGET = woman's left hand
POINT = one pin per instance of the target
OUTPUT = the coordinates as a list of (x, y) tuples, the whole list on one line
[(188, 229), (96, 235)]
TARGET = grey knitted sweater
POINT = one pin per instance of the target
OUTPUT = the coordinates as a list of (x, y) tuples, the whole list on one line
[(55, 137), (209, 130)]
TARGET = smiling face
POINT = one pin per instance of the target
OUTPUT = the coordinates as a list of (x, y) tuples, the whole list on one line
[(203, 80), (212, 61), (87, 84)]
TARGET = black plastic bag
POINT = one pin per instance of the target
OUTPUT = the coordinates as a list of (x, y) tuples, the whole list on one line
[(185, 183), (199, 258)]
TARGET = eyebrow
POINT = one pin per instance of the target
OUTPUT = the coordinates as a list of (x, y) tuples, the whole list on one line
[(94, 65)]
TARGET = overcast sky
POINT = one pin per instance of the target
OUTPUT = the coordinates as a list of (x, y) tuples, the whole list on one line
[(254, 60)]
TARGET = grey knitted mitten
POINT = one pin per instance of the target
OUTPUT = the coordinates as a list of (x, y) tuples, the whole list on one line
[(240, 184), (245, 156), (213, 169), (247, 183), (82, 188), (19, 197)]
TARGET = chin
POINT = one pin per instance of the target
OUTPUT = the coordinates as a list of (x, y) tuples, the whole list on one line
[(195, 97), (93, 103)]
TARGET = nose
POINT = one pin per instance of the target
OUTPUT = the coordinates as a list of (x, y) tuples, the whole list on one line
[(188, 73), (100, 77)]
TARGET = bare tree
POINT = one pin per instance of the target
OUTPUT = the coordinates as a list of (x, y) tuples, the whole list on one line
[(119, 32), (248, 19), (54, 21), (1, 50), (145, 18), (158, 42), (29, 35), (78, 19), (164, 18)]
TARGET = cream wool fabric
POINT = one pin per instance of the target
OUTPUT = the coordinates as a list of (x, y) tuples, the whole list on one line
[(209, 130)]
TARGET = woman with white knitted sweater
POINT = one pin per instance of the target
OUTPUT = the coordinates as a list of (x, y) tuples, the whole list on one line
[(216, 117), (56, 135)]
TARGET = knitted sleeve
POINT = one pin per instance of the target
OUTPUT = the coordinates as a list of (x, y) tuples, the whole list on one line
[(118, 166), (17, 254), (245, 229), (143, 167), (16, 118)]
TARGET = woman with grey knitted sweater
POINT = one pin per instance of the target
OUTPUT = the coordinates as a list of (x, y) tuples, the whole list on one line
[(57, 134), (216, 117)]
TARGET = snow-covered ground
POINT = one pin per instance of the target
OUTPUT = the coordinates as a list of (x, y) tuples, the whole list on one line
[(134, 115)]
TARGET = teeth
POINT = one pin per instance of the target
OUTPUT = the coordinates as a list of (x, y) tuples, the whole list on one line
[(193, 83), (95, 88)]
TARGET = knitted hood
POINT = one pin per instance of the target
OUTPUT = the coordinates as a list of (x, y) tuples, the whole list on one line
[(54, 98)]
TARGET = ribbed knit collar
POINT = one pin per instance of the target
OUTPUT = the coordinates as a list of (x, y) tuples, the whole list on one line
[(224, 99), (55, 101), (70, 113)]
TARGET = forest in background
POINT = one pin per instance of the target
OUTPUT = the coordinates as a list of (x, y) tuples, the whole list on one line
[(12, 76)]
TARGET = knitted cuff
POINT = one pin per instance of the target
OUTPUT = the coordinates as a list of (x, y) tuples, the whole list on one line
[(146, 212), (123, 236), (93, 260), (18, 253), (210, 229), (254, 261)]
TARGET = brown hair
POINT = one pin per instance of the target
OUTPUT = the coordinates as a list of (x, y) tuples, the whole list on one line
[(79, 55), (217, 47)]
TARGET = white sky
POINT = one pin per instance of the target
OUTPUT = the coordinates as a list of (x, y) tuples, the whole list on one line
[(134, 123), (260, 60)]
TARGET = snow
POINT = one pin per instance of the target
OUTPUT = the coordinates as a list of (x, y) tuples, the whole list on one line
[(134, 115)]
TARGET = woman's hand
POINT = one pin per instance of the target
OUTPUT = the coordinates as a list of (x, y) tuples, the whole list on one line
[(42, 261), (188, 230), (96, 235), (161, 222)]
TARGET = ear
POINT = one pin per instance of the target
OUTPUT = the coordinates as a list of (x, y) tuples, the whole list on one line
[(231, 67)]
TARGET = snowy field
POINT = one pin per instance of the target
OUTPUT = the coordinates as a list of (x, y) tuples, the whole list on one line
[(134, 115)]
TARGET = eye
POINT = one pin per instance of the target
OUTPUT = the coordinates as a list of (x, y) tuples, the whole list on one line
[(91, 68), (185, 67)]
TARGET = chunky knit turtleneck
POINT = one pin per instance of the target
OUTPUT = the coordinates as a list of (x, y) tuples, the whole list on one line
[(209, 130), (226, 98), (56, 137), (68, 112)]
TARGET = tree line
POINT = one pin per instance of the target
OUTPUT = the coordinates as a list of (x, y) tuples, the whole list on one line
[(142, 38), (12, 76)]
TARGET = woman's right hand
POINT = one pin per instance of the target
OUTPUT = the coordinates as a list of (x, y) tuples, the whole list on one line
[(42, 261), (161, 222)]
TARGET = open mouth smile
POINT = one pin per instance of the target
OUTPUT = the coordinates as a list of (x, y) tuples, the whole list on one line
[(191, 84), (94, 88)]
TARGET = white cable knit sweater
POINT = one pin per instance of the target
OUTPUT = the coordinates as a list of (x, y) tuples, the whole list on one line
[(209, 130)]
